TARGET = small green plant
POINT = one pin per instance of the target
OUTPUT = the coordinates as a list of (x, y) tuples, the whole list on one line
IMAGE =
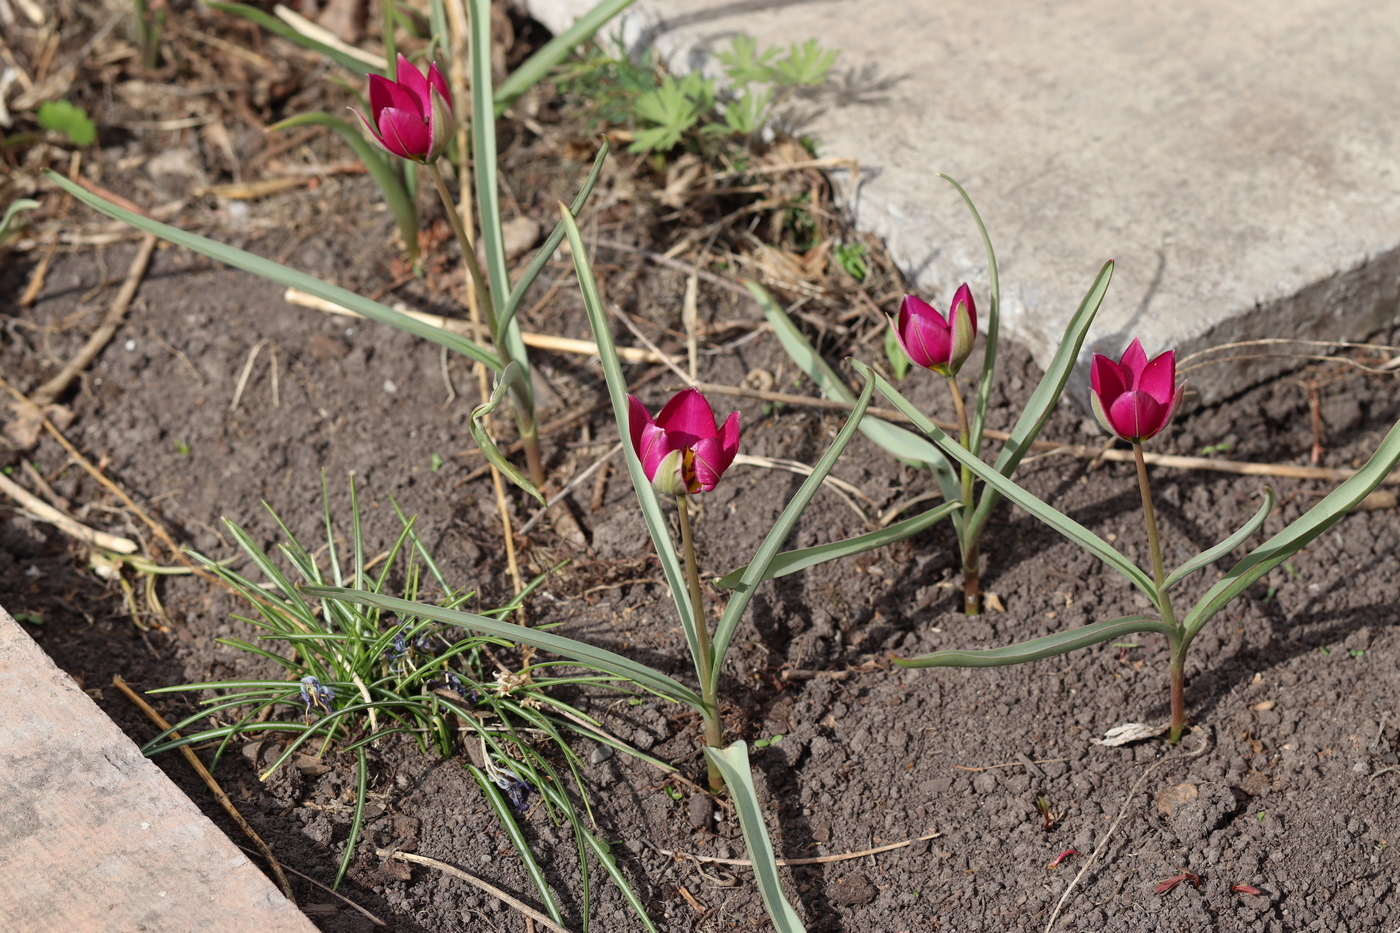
[(13, 219), (693, 109), (69, 120), (356, 675), (851, 257)]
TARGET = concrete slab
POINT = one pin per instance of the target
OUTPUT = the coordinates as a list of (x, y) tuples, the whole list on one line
[(93, 837), (1240, 161)]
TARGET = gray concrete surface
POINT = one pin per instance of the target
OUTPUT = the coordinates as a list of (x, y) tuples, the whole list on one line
[(1239, 161), (93, 837)]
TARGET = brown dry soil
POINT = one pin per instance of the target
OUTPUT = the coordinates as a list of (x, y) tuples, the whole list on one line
[(1289, 784)]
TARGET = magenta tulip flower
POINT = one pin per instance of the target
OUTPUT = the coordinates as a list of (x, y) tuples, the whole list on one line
[(932, 341), (1135, 398), (682, 451), (411, 117)]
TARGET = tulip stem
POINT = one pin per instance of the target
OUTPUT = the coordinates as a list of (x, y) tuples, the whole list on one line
[(475, 279), (714, 734), (1164, 601), (971, 558)]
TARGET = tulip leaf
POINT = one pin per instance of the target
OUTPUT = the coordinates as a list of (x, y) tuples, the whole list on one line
[(546, 252), (757, 569), (507, 821), (1208, 557), (1046, 395), (992, 330), (656, 523), (793, 561), (901, 442), (274, 25), (581, 652), (534, 69), (483, 438), (1296, 536), (506, 335), (733, 764), (1037, 507), (1047, 646), (385, 175), (276, 272)]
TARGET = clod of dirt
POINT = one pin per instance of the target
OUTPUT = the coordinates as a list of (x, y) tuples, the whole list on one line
[(851, 891)]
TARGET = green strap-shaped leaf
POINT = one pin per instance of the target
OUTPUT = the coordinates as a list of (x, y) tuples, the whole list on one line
[(276, 272), (588, 655), (754, 574), (488, 446), (992, 329), (1206, 558), (506, 819), (357, 820), (1046, 395), (733, 764), (901, 442), (617, 392), (1296, 536), (1046, 647), (1055, 519), (793, 561), (385, 175), (534, 68), (546, 252)]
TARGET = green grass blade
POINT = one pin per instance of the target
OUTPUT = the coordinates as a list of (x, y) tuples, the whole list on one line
[(748, 584), (1296, 536), (506, 818), (357, 822), (282, 275), (274, 25), (617, 392), (603, 852), (581, 652), (1047, 646), (1205, 558), (534, 68), (1046, 394), (733, 764), (483, 438), (546, 252), (1057, 520), (793, 561), (385, 175), (902, 443), (992, 330)]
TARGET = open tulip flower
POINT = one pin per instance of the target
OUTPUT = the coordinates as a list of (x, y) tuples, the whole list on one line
[(1135, 398), (681, 449), (411, 117), (932, 341)]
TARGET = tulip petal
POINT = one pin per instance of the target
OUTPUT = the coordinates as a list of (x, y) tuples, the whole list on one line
[(925, 337), (1136, 416), (404, 133), (385, 93), (1158, 378), (1107, 379), (413, 82), (688, 413), (714, 455), (962, 302), (436, 80), (1133, 360)]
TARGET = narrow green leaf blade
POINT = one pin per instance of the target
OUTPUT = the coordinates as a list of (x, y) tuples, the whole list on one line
[(793, 561), (617, 392), (902, 443), (758, 567), (488, 446), (506, 819), (1047, 646), (581, 652), (276, 272), (1206, 558), (1037, 507), (274, 25), (733, 764), (1296, 536)]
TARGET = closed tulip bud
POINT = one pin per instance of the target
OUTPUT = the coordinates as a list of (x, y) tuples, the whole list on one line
[(1135, 398), (930, 340), (412, 117)]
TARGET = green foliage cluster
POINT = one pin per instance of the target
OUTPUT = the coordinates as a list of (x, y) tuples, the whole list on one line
[(695, 111)]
